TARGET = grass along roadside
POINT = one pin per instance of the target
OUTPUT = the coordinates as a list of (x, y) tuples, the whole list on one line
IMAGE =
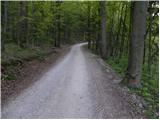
[(150, 85)]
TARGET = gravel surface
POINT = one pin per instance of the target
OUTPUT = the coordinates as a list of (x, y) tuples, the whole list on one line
[(29, 72), (78, 86)]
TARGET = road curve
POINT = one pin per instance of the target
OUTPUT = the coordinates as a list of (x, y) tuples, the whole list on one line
[(77, 87)]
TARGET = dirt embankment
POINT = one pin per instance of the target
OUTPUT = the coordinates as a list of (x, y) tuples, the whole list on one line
[(26, 72)]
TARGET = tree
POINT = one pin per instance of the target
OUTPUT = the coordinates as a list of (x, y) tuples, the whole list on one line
[(89, 25), (23, 24), (103, 49), (138, 30), (58, 24), (4, 22)]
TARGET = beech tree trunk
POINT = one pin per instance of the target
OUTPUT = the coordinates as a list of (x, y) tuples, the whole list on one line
[(150, 38), (138, 30), (58, 24), (23, 24), (98, 32), (4, 23), (89, 24), (117, 51), (103, 49)]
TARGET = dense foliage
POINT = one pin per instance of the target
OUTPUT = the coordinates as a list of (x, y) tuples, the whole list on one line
[(119, 59), (33, 27)]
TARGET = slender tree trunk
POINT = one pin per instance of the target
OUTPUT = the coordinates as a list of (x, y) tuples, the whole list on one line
[(23, 24), (117, 51), (115, 41), (4, 22), (58, 26), (33, 25), (94, 31), (89, 34), (65, 29), (150, 38), (27, 26), (54, 23), (59, 31), (130, 25), (14, 34), (111, 46), (138, 30), (123, 33), (103, 29), (98, 32)]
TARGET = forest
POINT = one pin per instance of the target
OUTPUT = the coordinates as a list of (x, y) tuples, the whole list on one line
[(125, 34)]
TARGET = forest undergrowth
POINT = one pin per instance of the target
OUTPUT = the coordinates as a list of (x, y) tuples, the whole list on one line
[(149, 90)]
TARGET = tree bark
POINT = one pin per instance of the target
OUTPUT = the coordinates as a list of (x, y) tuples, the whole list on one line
[(103, 43), (111, 35), (58, 26), (150, 38), (4, 22), (98, 32), (23, 24), (88, 24), (117, 50), (138, 30), (122, 46)]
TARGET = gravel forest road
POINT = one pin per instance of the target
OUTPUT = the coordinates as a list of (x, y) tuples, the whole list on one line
[(77, 87)]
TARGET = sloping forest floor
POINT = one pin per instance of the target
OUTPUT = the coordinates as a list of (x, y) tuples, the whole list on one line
[(20, 69)]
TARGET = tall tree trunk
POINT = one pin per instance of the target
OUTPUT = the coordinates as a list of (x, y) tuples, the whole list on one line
[(54, 34), (14, 34), (138, 30), (103, 50), (130, 25), (111, 34), (122, 46), (27, 25), (4, 22), (98, 32), (58, 27), (115, 41), (33, 25), (23, 24), (94, 29), (88, 24), (150, 38), (117, 51), (59, 31)]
